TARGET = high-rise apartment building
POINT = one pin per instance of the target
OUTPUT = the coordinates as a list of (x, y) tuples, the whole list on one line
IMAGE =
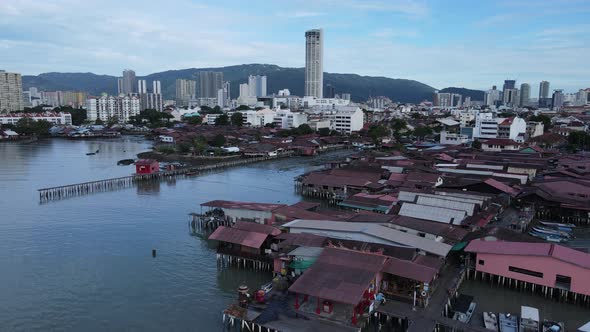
[(314, 58), (525, 94), (185, 91), (509, 84), (543, 90), (141, 86), (11, 92), (330, 91), (510, 97), (557, 100), (109, 107), (210, 83), (492, 96), (127, 83), (257, 85)]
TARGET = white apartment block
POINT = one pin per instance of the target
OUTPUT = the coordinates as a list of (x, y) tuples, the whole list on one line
[(345, 119), (107, 107), (61, 118), (11, 92), (488, 126), (323, 103), (286, 119), (453, 139)]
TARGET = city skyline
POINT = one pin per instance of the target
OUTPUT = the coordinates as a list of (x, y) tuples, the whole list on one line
[(363, 39)]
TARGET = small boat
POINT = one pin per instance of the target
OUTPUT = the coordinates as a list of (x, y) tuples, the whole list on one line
[(548, 237), (464, 308), (508, 322), (556, 224), (97, 151), (529, 319), (266, 287), (552, 231), (90, 153), (490, 321), (551, 326)]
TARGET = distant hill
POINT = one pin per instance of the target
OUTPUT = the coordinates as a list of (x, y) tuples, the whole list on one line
[(360, 87), (474, 94)]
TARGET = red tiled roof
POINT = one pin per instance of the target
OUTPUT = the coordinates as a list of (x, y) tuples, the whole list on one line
[(243, 205), (409, 270), (531, 249), (258, 228), (238, 236)]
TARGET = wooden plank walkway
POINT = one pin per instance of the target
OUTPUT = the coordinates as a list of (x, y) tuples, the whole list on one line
[(86, 188)]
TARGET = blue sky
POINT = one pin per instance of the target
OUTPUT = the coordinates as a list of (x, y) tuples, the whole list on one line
[(473, 44)]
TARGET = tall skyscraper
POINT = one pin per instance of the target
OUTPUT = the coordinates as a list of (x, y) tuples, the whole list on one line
[(257, 85), (11, 92), (557, 100), (509, 84), (141, 86), (185, 91), (525, 94), (492, 96), (127, 84), (157, 87), (330, 91), (314, 59), (210, 83), (543, 90), (510, 97)]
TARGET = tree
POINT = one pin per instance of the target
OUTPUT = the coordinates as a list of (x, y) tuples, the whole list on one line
[(193, 120), (376, 132), (222, 120), (422, 131), (237, 119), (398, 126), (542, 118), (218, 140), (270, 125), (304, 129), (113, 120), (324, 131), (577, 140), (29, 127), (99, 122), (200, 145), (183, 148), (476, 144), (78, 114), (242, 108)]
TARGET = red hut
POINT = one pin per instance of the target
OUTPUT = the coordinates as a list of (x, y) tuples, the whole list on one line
[(147, 166)]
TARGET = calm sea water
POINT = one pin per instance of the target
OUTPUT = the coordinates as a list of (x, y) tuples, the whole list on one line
[(84, 264)]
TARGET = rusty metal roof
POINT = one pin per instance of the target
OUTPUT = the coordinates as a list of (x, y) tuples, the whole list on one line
[(243, 205), (258, 228), (410, 270), (238, 236)]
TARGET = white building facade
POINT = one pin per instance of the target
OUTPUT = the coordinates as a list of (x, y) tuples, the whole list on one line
[(62, 118), (109, 107), (11, 92), (314, 59)]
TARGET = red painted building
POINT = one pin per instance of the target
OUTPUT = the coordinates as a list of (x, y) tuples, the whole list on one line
[(147, 166)]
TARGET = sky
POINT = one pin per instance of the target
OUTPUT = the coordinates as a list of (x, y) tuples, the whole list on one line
[(464, 43)]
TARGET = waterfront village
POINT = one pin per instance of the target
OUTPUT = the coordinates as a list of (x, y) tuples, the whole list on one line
[(414, 199)]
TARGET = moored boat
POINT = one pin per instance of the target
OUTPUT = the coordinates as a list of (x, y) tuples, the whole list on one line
[(490, 321), (552, 231), (548, 237), (529, 319), (464, 308), (551, 326), (556, 224), (508, 322)]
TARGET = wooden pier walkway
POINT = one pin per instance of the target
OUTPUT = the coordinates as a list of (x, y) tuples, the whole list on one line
[(85, 188)]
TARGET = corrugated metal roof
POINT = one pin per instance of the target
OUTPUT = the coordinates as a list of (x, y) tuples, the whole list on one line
[(255, 227), (243, 205), (409, 270), (382, 234), (432, 213), (443, 202), (531, 249), (339, 275), (238, 236), (306, 252)]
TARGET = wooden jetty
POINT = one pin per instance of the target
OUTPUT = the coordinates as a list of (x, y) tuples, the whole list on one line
[(85, 188)]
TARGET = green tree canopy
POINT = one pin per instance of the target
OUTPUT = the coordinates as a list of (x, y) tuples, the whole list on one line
[(422, 131), (303, 129), (222, 120), (476, 144), (324, 131), (218, 140), (193, 120), (200, 144), (237, 119), (542, 118), (577, 140), (376, 132), (30, 127), (242, 108)]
